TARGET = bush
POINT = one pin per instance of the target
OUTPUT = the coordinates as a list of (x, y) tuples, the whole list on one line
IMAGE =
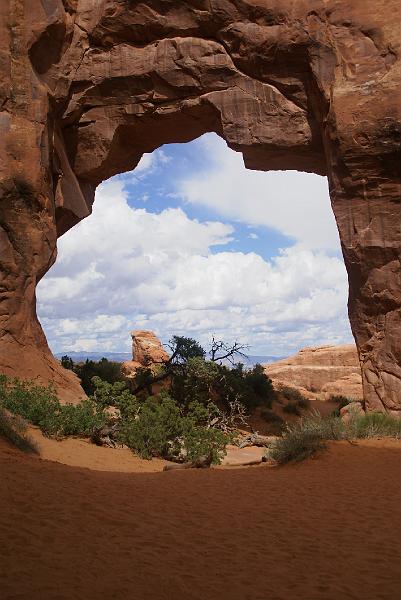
[(341, 401), (262, 388), (327, 428), (295, 445), (13, 429), (67, 362), (191, 377), (114, 394), (40, 406), (305, 438), (157, 430), (161, 429), (291, 394), (201, 441), (107, 370), (157, 427)]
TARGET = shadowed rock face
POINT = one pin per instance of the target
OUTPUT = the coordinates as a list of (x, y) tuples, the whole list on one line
[(87, 86)]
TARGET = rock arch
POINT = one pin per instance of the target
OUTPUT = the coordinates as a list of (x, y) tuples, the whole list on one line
[(88, 86)]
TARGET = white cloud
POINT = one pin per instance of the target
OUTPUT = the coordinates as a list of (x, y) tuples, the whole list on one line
[(126, 268), (295, 204), (148, 164)]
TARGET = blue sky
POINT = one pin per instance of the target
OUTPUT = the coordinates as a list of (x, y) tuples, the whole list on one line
[(157, 189), (191, 243)]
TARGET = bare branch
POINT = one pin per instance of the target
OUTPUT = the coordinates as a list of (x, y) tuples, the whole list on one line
[(220, 351)]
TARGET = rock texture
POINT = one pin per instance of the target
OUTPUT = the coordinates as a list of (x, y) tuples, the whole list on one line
[(88, 86), (350, 411), (147, 351), (321, 372)]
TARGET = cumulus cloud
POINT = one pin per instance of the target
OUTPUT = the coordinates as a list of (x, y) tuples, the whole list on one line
[(295, 204), (148, 164), (126, 268)]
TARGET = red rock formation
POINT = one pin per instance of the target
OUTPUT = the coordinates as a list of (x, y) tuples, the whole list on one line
[(88, 86), (320, 372), (147, 351)]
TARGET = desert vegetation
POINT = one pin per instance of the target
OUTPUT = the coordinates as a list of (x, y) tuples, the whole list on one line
[(187, 407), (309, 435), (195, 413), (13, 429)]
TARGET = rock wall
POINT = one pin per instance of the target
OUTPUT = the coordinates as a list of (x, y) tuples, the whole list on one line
[(88, 86), (321, 372)]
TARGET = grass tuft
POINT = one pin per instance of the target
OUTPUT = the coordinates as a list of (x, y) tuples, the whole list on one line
[(306, 437), (374, 425), (13, 429)]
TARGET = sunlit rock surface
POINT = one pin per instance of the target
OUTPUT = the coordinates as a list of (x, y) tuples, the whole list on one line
[(320, 372)]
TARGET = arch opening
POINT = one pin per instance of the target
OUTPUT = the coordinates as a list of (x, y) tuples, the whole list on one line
[(193, 243)]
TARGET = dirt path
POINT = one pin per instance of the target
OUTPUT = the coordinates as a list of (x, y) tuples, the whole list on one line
[(326, 529)]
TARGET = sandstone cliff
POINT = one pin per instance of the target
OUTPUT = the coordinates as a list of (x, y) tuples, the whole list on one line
[(320, 372), (88, 86)]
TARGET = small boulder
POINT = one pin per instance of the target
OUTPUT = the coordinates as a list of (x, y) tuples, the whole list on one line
[(353, 409)]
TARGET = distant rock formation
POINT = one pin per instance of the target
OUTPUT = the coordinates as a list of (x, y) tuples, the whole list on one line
[(321, 372), (147, 351)]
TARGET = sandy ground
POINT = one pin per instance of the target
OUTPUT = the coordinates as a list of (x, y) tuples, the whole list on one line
[(76, 452), (325, 529)]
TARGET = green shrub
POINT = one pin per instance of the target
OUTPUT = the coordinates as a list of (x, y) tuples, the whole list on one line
[(156, 431), (263, 393), (67, 362), (304, 438), (114, 394), (36, 404), (40, 406), (79, 419), (327, 428), (107, 370), (341, 401), (295, 445), (161, 429), (13, 429), (193, 378), (200, 441), (291, 394)]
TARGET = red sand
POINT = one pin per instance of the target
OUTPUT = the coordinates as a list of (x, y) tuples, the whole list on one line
[(326, 529)]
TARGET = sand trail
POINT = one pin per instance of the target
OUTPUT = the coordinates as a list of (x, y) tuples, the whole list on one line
[(326, 529)]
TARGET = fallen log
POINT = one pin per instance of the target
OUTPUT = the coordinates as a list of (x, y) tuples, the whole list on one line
[(203, 462), (254, 439), (105, 436)]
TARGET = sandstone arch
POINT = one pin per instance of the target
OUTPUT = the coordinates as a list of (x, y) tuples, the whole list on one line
[(89, 85)]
